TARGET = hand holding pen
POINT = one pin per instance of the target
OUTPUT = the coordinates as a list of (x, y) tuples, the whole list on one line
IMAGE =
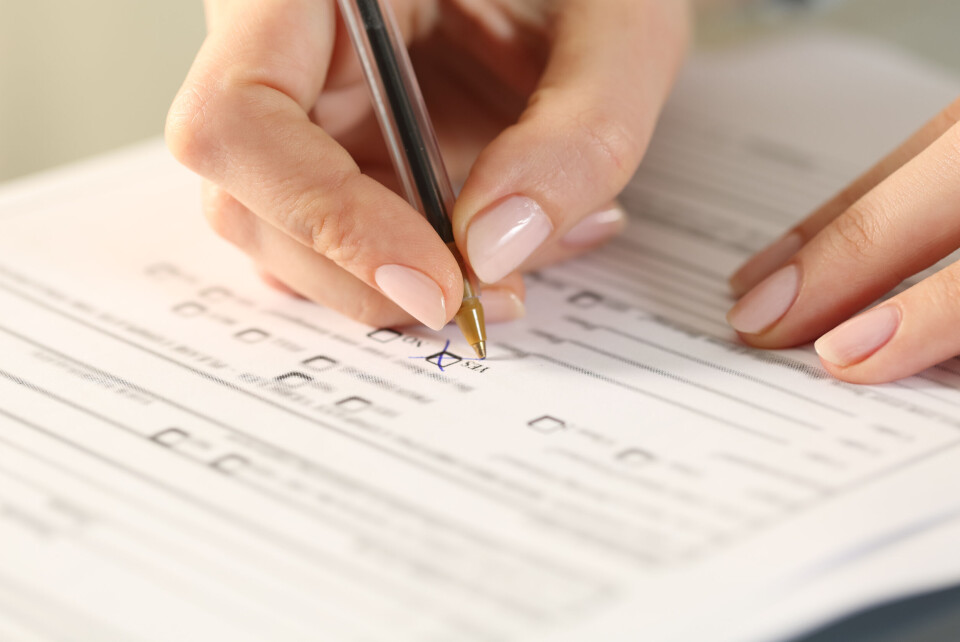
[(543, 110)]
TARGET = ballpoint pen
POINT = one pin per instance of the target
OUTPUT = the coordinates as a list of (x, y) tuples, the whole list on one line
[(410, 138)]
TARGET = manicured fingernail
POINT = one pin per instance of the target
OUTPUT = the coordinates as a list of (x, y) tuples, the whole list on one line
[(415, 292), (764, 262), (502, 237), (595, 228), (763, 306), (501, 305), (855, 340)]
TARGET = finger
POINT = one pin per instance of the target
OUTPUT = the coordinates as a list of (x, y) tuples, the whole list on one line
[(342, 110), (345, 100), (909, 333), (470, 104), (317, 279), (296, 266), (587, 235), (507, 40), (278, 285), (902, 226), (290, 267), (780, 251), (582, 135), (240, 121)]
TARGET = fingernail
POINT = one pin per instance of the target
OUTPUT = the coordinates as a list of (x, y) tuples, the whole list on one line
[(855, 340), (415, 292), (595, 228), (763, 306), (500, 305), (502, 237), (764, 262)]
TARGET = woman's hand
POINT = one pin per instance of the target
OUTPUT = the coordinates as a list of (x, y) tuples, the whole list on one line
[(899, 218), (543, 109)]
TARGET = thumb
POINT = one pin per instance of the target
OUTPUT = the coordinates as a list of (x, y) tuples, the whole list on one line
[(582, 136)]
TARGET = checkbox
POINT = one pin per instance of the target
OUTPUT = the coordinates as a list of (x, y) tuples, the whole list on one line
[(385, 335), (294, 379), (252, 335), (216, 294), (353, 404), (636, 457), (321, 363), (585, 299), (161, 270), (547, 424), (444, 359), (170, 437), (230, 463), (189, 309)]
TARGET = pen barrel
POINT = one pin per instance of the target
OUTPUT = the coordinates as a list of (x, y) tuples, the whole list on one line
[(401, 110), (471, 286)]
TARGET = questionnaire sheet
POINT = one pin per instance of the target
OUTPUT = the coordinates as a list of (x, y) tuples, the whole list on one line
[(186, 454)]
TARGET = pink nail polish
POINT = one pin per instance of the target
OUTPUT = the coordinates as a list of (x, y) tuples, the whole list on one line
[(764, 262), (765, 304), (415, 292), (500, 305), (502, 237), (854, 340), (595, 228)]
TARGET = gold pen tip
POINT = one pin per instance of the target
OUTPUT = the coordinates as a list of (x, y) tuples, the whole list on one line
[(480, 349)]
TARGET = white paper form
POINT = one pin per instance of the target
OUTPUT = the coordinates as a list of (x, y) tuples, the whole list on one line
[(185, 454), (923, 562)]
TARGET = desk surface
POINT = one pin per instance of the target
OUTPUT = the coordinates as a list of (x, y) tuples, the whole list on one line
[(934, 617)]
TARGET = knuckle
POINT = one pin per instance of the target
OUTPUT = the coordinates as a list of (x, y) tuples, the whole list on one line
[(323, 219), (334, 234), (610, 145), (943, 294), (857, 230), (848, 196)]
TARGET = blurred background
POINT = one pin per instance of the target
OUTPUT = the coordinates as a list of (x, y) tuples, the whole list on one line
[(80, 78)]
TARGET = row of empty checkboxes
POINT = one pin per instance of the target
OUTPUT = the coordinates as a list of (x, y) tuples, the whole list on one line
[(298, 379), (631, 456), (176, 437), (316, 364)]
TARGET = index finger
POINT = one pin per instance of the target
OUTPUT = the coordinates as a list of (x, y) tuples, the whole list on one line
[(777, 253), (240, 120), (899, 228)]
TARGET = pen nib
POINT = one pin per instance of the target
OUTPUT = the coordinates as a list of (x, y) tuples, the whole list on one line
[(480, 349)]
